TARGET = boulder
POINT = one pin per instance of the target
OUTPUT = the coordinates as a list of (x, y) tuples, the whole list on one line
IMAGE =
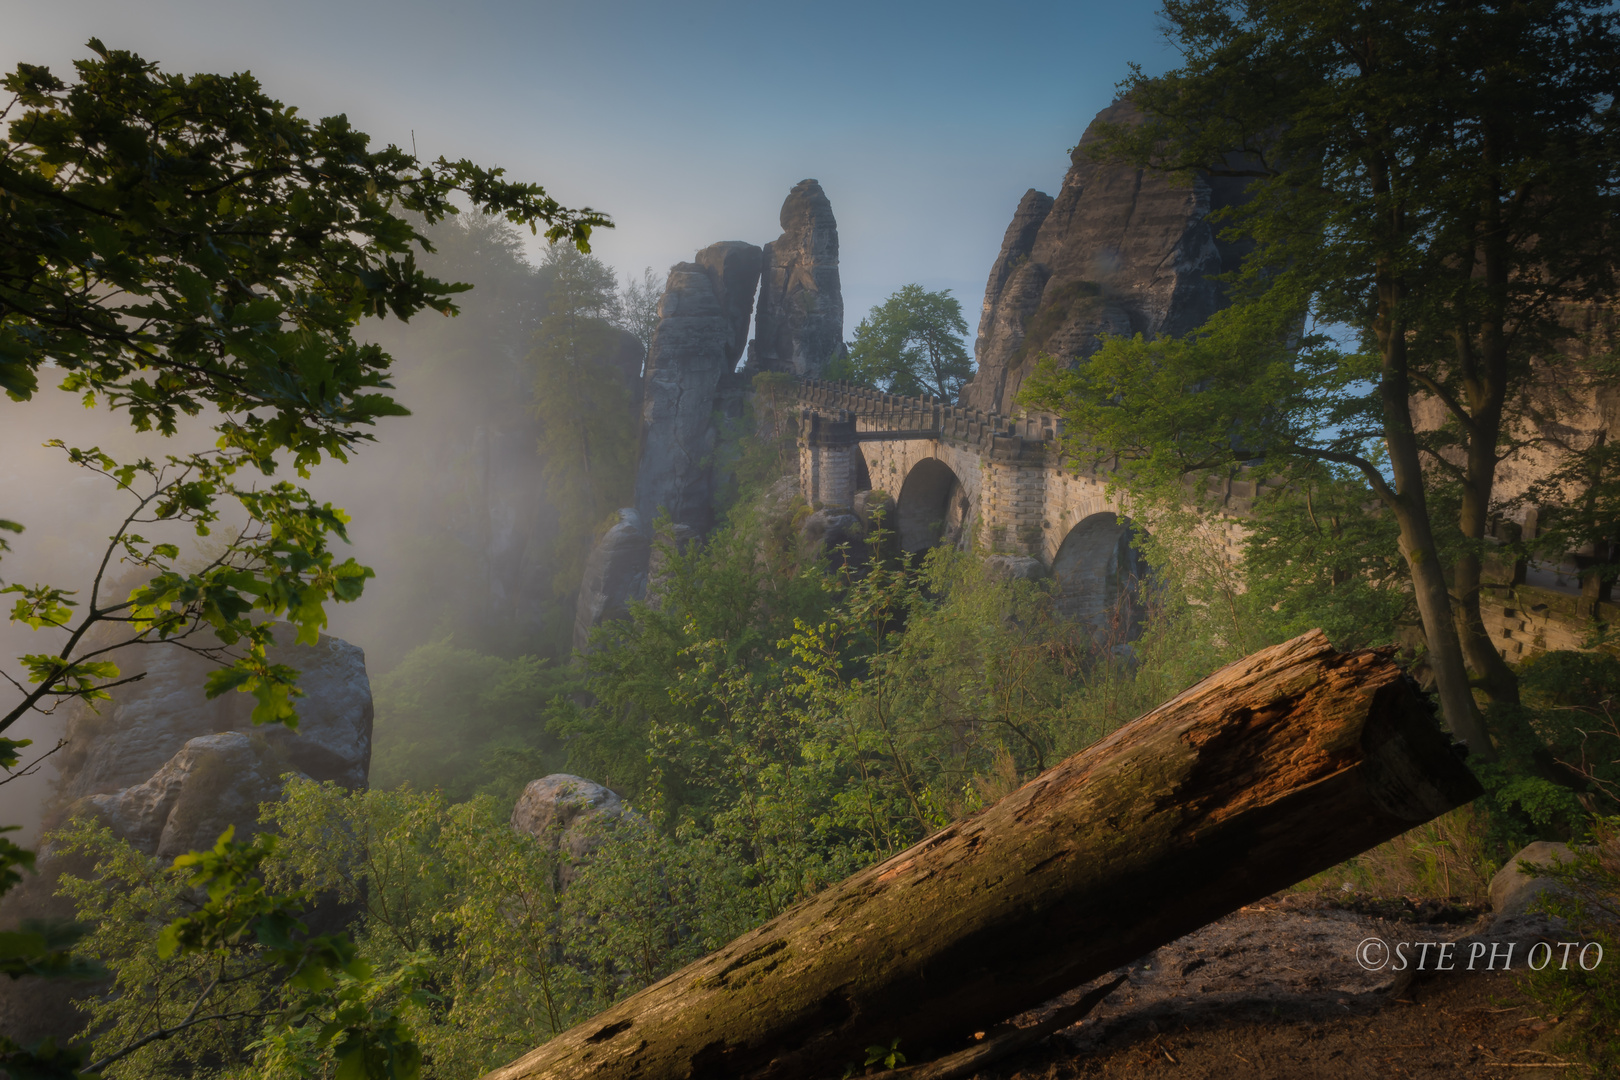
[(702, 323), (215, 781), (170, 770), (1119, 251), (833, 528), (131, 738), (800, 326), (1513, 890), (615, 574), (569, 815), (874, 505)]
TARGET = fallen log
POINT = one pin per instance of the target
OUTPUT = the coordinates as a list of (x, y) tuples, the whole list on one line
[(1274, 768)]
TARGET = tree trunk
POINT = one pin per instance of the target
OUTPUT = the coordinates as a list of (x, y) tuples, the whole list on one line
[(1409, 503), (1274, 768)]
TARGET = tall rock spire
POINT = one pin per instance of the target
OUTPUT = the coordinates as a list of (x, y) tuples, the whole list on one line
[(800, 326), (702, 324)]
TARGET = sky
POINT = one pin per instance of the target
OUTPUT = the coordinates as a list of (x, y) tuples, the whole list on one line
[(686, 122)]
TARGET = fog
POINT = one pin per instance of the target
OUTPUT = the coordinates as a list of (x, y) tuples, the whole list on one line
[(448, 505)]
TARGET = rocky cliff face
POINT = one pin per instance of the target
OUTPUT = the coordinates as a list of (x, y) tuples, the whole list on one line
[(615, 574), (691, 378), (801, 304), (703, 323), (703, 320), (169, 770), (1119, 251)]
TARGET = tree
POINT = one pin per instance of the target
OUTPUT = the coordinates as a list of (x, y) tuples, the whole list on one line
[(912, 344), (170, 244), (587, 430), (638, 305), (1439, 177)]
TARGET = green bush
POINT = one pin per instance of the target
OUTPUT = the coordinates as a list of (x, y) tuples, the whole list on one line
[(1588, 1001)]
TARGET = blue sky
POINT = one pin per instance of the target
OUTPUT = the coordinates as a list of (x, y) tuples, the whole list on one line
[(924, 122)]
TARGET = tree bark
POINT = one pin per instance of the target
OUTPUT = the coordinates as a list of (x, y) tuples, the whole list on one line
[(1274, 768)]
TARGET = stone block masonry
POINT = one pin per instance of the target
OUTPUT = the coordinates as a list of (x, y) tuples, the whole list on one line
[(1001, 480)]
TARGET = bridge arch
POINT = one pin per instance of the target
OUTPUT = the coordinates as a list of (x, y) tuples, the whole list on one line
[(928, 509), (1100, 576)]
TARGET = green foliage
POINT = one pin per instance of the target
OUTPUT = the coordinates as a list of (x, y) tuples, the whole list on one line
[(1452, 857), (1580, 502), (760, 447), (647, 904), (910, 344), (742, 587), (638, 305), (1244, 386), (1560, 749), (889, 1056), (1394, 154), (36, 947), (1322, 553), (195, 980), (277, 566), (1588, 1000), (448, 717), (465, 951), (174, 242), (804, 722)]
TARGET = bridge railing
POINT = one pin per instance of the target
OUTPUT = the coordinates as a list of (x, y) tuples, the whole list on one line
[(900, 412), (990, 431)]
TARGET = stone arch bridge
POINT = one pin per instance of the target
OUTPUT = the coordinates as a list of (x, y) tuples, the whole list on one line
[(966, 477)]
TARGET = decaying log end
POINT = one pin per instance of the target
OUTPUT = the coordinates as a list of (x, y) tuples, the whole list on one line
[(1274, 768)]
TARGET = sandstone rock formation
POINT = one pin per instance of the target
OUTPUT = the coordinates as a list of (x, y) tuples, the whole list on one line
[(569, 815), (703, 323), (1513, 890), (169, 769), (627, 358), (1119, 251), (801, 306), (213, 781), (615, 574), (691, 379)]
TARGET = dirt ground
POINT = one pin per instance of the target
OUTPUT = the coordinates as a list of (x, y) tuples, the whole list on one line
[(1275, 992)]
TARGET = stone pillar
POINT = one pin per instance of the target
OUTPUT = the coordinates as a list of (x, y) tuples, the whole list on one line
[(827, 459), (1013, 496), (836, 480)]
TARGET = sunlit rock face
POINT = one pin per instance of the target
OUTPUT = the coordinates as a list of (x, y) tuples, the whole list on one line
[(169, 770), (570, 816), (801, 304), (213, 782), (703, 323), (1119, 251)]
